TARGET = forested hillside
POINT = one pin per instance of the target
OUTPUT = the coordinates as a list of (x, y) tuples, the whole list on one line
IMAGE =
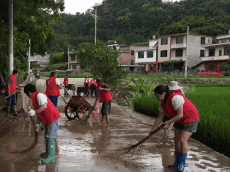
[(133, 21)]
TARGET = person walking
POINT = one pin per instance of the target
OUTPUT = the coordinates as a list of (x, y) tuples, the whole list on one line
[(183, 113), (66, 83), (86, 85), (49, 115), (10, 88), (105, 98), (52, 88)]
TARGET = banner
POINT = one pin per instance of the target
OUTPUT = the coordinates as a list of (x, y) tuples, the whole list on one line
[(209, 73)]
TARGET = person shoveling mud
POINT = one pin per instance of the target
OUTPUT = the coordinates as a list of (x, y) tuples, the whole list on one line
[(49, 115)]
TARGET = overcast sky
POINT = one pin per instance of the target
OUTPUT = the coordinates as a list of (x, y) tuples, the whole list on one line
[(73, 6)]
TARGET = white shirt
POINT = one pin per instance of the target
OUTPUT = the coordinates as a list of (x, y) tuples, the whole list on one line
[(58, 81), (177, 100), (42, 99)]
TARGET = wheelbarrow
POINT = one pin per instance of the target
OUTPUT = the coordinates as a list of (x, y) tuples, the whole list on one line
[(77, 107)]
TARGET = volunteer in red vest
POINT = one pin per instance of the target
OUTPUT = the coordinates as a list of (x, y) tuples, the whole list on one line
[(93, 87), (105, 98), (180, 111), (65, 82), (52, 88), (86, 85), (49, 115), (10, 88)]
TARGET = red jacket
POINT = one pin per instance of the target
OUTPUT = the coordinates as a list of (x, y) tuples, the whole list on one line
[(66, 80), (51, 87), (13, 85), (94, 82), (85, 82), (105, 96), (190, 112), (50, 114)]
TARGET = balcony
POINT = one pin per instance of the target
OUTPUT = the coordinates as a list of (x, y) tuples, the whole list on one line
[(210, 58), (174, 46), (178, 58)]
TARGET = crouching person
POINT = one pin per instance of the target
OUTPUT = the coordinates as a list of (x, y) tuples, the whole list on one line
[(49, 115)]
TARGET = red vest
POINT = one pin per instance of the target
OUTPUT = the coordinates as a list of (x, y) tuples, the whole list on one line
[(94, 82), (85, 82), (51, 87), (190, 112), (50, 114), (13, 84), (105, 96), (66, 80)]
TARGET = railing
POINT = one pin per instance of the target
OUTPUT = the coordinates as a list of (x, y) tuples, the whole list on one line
[(183, 45), (178, 58), (226, 57), (209, 73)]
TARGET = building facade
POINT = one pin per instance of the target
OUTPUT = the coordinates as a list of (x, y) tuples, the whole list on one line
[(73, 60), (216, 54), (180, 46), (147, 55)]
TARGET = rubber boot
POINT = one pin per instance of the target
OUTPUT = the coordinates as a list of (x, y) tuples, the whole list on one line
[(182, 164), (45, 154), (14, 110), (177, 160), (51, 153)]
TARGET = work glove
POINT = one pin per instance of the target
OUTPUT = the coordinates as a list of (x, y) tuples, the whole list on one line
[(31, 112)]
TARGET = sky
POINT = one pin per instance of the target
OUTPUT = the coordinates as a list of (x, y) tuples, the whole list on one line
[(73, 6)]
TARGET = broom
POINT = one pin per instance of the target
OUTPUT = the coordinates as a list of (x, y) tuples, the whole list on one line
[(133, 148)]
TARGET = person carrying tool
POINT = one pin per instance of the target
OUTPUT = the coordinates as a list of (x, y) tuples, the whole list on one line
[(183, 113), (52, 88), (10, 88), (105, 98), (65, 82), (49, 115), (86, 85)]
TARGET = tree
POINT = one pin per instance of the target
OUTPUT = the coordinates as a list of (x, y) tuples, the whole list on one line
[(101, 62), (31, 21)]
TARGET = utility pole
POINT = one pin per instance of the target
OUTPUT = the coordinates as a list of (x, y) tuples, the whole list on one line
[(68, 58), (95, 39), (29, 59), (11, 41), (186, 60)]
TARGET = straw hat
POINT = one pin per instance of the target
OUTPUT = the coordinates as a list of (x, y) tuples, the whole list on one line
[(174, 85)]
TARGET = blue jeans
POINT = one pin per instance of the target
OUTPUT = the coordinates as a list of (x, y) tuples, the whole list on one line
[(51, 131), (54, 99)]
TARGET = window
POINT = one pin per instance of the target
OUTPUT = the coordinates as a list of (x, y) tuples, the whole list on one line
[(164, 53), (72, 57), (212, 52), (227, 51), (164, 41), (222, 40), (201, 53), (132, 52), (209, 40), (140, 55), (179, 53), (179, 40), (202, 40), (149, 54), (212, 68), (132, 62), (131, 69), (220, 52), (74, 66)]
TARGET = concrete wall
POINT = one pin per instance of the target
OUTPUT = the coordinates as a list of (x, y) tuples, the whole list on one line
[(193, 47)]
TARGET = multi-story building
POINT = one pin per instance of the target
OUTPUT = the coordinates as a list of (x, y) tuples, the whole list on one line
[(73, 60), (147, 55), (180, 46), (215, 54)]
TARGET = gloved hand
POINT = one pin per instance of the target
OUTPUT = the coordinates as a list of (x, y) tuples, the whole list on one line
[(31, 112)]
